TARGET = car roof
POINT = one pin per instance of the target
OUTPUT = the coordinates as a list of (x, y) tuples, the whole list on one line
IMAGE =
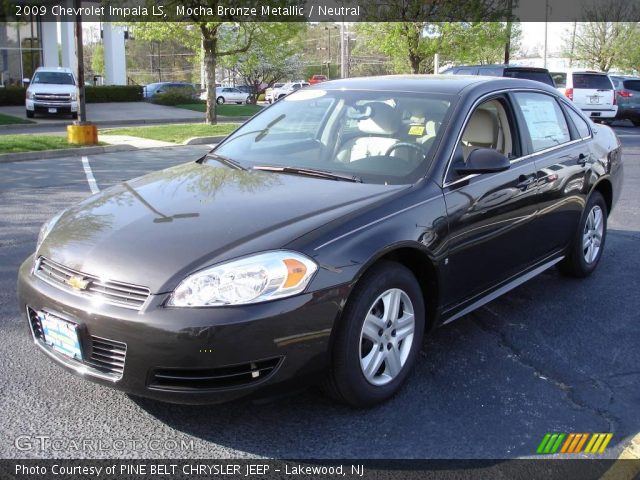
[(502, 65), (54, 69)]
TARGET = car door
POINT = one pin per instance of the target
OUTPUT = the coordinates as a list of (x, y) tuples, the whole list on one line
[(490, 215), (556, 137)]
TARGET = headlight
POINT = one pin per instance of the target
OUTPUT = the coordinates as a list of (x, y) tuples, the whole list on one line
[(46, 229), (74, 97), (258, 278), (30, 95)]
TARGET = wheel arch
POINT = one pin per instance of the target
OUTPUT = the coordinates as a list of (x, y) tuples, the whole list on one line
[(605, 188)]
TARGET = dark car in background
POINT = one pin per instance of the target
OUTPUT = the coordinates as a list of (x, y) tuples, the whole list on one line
[(628, 98), (321, 239), (153, 89), (509, 71)]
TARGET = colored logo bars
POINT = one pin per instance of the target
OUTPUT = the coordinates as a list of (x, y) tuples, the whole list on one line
[(573, 443)]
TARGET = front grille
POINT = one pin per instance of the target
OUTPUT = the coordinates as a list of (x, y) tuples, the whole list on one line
[(109, 291), (189, 379), (52, 97), (107, 357)]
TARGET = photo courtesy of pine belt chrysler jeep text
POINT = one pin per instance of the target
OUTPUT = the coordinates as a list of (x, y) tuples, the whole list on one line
[(322, 239)]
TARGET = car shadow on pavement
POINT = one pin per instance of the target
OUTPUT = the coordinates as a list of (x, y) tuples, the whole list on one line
[(554, 355)]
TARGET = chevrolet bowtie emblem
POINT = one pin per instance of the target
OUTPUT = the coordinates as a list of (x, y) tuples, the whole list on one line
[(78, 283)]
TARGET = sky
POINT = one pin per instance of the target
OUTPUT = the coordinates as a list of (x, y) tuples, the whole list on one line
[(533, 35)]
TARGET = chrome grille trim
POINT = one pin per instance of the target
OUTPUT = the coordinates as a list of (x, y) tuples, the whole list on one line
[(109, 291), (60, 97)]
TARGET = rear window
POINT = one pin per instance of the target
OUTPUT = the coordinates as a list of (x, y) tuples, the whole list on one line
[(632, 84), (536, 75), (592, 81)]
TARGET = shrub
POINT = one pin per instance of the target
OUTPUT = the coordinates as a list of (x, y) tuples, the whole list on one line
[(261, 97), (113, 93), (12, 96), (172, 97)]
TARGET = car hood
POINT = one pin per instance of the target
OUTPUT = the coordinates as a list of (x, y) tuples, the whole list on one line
[(154, 230), (51, 88)]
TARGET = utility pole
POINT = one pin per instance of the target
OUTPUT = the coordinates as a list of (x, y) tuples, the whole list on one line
[(507, 45), (82, 113), (573, 43), (546, 23), (342, 52)]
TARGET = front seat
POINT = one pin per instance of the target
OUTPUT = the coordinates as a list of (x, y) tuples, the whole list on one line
[(380, 128), (481, 132)]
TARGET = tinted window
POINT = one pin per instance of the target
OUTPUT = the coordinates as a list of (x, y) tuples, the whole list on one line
[(580, 123), (466, 71), (560, 79), (544, 119), (592, 81), (491, 72), (536, 75), (632, 84)]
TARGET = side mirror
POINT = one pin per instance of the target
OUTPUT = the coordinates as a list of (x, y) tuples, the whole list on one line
[(26, 80), (483, 160)]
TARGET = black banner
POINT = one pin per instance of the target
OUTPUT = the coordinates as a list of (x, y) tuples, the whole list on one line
[(322, 10), (196, 469)]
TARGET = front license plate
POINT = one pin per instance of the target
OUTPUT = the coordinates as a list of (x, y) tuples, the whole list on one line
[(53, 110), (61, 335), (594, 99)]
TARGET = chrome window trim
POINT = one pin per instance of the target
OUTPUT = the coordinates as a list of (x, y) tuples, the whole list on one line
[(446, 184)]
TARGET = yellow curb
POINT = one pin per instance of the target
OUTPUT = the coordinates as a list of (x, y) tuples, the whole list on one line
[(626, 469)]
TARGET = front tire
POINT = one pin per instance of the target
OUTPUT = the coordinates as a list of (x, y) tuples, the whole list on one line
[(586, 250), (636, 122), (220, 100), (30, 114), (378, 338)]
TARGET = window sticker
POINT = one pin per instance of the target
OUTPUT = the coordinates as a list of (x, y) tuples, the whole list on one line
[(416, 130)]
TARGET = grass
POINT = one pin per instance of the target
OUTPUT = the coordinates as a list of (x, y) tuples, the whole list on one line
[(176, 133), (33, 143), (11, 120), (225, 110)]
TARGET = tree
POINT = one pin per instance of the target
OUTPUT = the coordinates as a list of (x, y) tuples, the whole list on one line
[(274, 55), (605, 40), (217, 39)]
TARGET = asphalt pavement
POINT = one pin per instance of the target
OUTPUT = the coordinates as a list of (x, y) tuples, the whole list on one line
[(554, 355)]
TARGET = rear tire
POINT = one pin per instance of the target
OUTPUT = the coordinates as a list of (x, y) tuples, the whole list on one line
[(378, 337), (588, 244), (30, 114)]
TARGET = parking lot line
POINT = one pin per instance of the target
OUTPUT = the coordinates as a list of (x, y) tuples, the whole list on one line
[(93, 186)]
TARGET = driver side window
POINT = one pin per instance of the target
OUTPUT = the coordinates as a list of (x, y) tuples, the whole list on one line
[(488, 127)]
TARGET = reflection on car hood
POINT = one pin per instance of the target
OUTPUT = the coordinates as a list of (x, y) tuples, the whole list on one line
[(51, 88), (154, 230)]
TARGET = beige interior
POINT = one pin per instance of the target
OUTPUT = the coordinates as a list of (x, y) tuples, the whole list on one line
[(488, 127)]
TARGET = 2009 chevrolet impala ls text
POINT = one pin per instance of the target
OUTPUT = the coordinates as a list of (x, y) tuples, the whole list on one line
[(322, 238)]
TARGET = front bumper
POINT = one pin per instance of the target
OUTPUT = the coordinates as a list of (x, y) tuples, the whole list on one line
[(44, 107), (180, 355)]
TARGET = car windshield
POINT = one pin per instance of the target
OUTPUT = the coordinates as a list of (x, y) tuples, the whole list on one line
[(536, 75), (56, 78), (378, 137)]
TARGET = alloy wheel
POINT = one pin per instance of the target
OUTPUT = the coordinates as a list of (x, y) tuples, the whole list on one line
[(387, 336), (592, 236)]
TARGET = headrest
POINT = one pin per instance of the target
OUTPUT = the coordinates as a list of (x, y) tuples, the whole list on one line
[(481, 129), (384, 120)]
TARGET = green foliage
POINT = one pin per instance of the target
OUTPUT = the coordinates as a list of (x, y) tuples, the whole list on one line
[(97, 59), (113, 93), (173, 97), (261, 97), (12, 96)]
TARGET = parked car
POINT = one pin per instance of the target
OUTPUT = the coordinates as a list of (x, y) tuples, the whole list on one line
[(322, 238), (52, 90), (627, 98), (153, 89), (270, 92), (317, 79), (231, 95), (288, 88), (510, 71), (591, 91)]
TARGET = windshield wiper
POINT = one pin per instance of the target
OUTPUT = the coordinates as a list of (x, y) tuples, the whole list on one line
[(309, 172), (224, 160)]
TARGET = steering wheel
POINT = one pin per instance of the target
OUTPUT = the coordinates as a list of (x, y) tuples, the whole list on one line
[(415, 146)]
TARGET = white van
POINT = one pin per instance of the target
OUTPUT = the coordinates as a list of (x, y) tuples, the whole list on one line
[(52, 91), (592, 92)]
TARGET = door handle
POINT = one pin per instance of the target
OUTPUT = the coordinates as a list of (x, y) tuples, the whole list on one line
[(582, 159), (524, 181)]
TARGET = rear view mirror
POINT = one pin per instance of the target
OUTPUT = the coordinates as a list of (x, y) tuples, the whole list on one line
[(483, 160)]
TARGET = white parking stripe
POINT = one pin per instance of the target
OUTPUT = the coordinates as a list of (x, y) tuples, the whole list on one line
[(93, 186)]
